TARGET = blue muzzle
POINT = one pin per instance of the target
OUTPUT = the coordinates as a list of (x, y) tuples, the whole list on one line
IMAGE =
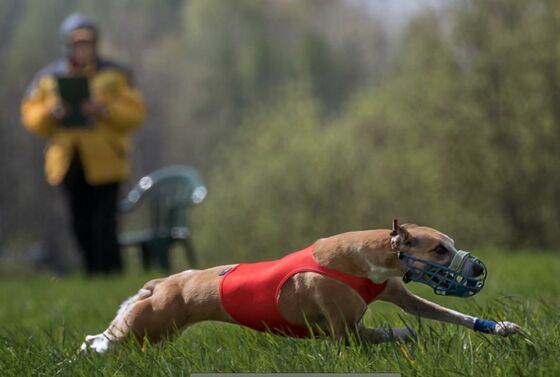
[(464, 277)]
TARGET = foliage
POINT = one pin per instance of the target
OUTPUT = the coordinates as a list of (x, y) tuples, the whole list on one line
[(459, 136)]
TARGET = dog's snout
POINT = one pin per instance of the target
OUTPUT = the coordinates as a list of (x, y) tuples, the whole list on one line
[(477, 269)]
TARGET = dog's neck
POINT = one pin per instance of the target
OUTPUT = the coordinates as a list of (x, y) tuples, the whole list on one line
[(370, 257)]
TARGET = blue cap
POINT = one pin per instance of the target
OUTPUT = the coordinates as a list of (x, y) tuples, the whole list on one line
[(76, 21)]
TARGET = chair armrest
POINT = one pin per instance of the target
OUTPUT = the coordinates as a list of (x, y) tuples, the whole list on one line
[(136, 194)]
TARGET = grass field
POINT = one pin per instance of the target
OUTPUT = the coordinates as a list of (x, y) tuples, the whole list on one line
[(43, 321)]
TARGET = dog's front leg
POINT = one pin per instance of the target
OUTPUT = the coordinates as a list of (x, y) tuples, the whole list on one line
[(397, 293)]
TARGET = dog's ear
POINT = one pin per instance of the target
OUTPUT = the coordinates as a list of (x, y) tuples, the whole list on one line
[(398, 235)]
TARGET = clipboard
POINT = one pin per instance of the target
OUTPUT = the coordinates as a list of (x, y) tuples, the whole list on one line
[(74, 91)]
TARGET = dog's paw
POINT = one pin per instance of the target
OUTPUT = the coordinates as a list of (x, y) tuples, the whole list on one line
[(98, 343), (506, 328)]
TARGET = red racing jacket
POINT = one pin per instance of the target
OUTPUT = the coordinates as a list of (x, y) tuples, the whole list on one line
[(249, 291)]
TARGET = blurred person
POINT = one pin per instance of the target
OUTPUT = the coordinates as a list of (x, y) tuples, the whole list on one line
[(88, 161)]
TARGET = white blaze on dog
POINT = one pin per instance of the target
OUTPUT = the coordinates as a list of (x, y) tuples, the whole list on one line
[(449, 243), (379, 274)]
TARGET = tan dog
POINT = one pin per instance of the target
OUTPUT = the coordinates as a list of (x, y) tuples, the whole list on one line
[(164, 306)]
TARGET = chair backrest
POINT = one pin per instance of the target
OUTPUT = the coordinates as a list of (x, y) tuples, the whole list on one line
[(169, 192)]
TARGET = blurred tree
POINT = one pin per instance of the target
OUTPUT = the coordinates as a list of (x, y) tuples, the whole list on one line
[(238, 53), (264, 178), (224, 63), (510, 62), (459, 136)]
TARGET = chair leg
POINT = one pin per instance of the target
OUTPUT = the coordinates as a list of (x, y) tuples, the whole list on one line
[(162, 249), (190, 252), (146, 256)]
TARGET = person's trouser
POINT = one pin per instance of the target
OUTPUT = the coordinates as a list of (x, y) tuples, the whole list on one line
[(94, 219)]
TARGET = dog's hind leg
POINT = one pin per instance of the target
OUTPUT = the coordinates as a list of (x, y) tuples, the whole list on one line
[(163, 307), (120, 326)]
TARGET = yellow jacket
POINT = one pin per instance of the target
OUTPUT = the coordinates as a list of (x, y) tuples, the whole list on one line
[(104, 147)]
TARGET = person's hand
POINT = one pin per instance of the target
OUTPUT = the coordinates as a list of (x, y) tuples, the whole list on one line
[(94, 109), (59, 110)]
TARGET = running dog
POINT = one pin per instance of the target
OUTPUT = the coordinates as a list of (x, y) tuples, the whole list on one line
[(322, 290)]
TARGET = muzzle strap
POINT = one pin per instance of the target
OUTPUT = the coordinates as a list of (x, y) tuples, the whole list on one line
[(459, 260)]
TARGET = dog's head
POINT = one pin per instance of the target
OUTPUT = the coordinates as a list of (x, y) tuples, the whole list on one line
[(430, 257)]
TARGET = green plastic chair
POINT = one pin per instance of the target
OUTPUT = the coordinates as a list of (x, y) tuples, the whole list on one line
[(169, 193)]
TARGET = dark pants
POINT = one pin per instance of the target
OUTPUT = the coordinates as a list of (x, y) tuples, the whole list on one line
[(94, 220)]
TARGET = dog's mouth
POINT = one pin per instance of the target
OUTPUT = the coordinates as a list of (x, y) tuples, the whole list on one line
[(466, 281)]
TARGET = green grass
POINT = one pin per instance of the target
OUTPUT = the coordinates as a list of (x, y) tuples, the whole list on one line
[(43, 321)]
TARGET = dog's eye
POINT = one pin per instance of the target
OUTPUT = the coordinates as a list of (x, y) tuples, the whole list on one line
[(440, 250)]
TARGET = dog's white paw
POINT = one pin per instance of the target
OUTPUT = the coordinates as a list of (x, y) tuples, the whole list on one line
[(506, 328), (98, 343)]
